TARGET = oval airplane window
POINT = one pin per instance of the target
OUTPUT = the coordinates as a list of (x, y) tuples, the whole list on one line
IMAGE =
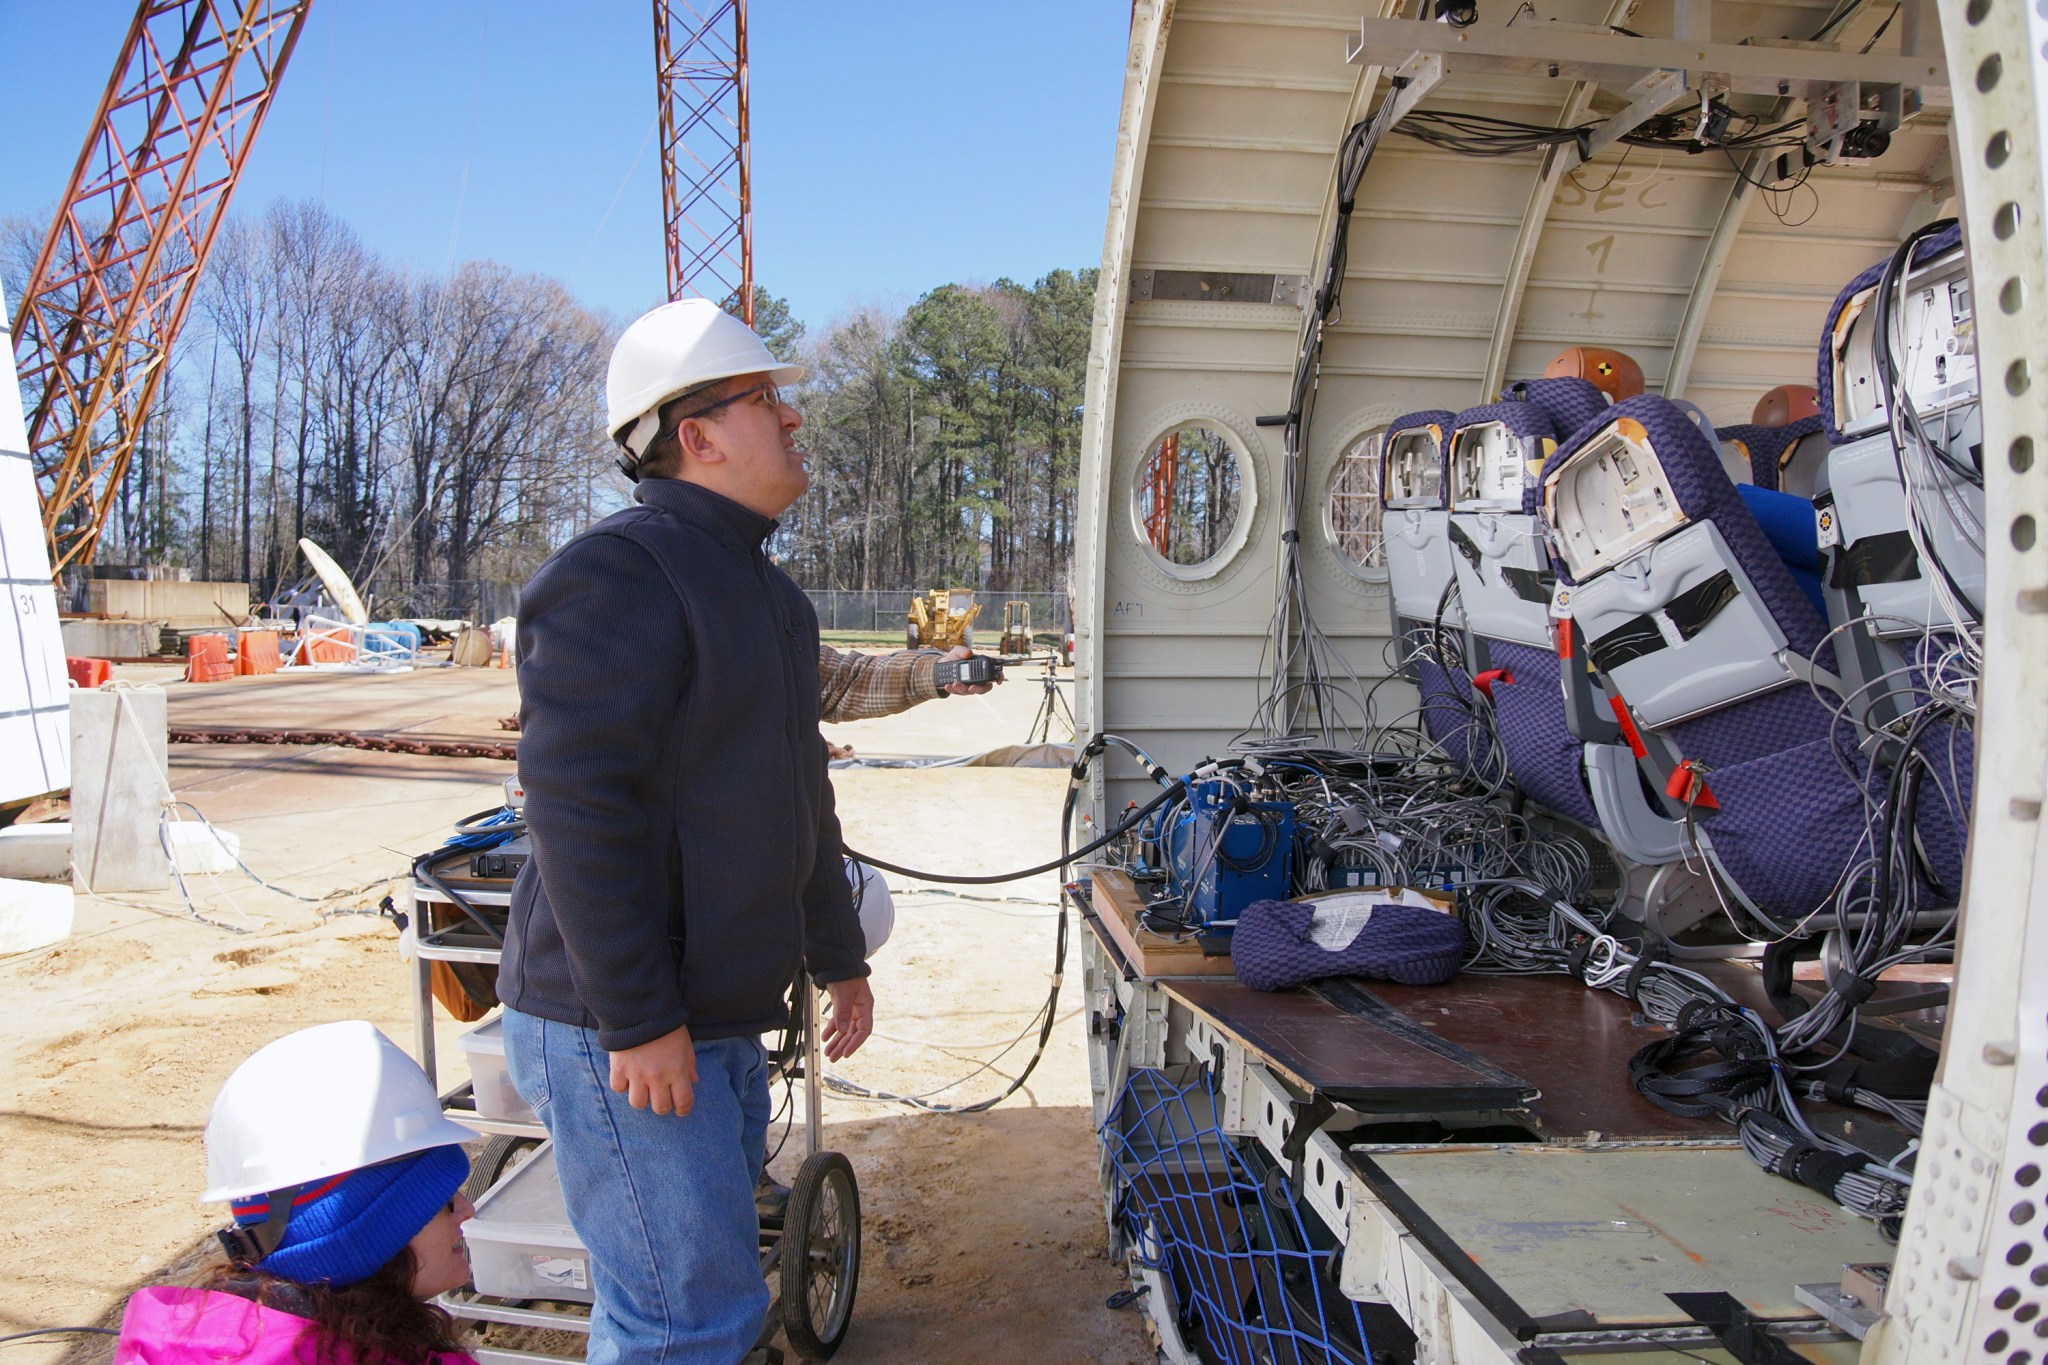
[(1189, 495), (1351, 512)]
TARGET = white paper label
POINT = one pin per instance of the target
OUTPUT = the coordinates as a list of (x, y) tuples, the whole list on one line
[(563, 1272), (1561, 601), (1338, 916), (1333, 927)]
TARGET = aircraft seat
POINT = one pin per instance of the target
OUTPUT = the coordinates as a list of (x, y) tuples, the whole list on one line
[(1694, 619), (1428, 618), (1505, 581), (1780, 458)]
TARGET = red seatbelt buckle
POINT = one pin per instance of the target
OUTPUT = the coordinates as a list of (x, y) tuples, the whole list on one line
[(1485, 681), (1687, 785)]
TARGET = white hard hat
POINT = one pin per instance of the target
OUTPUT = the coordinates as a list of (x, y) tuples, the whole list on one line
[(316, 1103), (671, 350), (877, 908)]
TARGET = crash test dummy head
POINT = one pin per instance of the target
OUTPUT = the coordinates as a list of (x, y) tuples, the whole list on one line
[(1786, 404), (1615, 374)]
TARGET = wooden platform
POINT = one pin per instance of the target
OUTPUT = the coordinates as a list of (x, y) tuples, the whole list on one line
[(1117, 905)]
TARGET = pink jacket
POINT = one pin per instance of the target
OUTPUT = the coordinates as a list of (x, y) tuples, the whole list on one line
[(169, 1325)]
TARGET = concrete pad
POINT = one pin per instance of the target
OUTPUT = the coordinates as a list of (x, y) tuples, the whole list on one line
[(36, 853), (111, 639), (33, 915), (427, 701), (197, 847)]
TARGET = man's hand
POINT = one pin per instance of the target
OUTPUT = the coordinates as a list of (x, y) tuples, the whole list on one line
[(852, 1018), (661, 1075), (964, 689)]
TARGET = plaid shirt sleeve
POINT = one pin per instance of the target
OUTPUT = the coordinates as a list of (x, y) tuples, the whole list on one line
[(863, 686)]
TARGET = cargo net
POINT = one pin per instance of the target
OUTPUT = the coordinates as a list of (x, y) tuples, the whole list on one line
[(1251, 1275)]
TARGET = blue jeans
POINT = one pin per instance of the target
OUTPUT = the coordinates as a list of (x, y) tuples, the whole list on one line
[(665, 1204)]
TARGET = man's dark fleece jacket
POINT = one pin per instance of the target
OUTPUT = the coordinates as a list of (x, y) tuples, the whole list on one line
[(686, 856)]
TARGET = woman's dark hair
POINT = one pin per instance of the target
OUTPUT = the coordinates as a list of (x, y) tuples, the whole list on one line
[(376, 1319)]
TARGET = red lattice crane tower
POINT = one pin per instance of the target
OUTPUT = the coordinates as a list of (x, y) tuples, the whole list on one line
[(1160, 475), (700, 71), (122, 261)]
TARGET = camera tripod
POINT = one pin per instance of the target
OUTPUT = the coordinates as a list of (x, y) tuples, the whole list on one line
[(1053, 704)]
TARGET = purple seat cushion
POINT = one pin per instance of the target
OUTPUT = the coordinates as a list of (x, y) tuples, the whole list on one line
[(1767, 446), (1544, 758), (1570, 401), (1272, 950)]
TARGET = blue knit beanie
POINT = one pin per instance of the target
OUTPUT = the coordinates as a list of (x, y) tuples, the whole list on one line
[(344, 1229)]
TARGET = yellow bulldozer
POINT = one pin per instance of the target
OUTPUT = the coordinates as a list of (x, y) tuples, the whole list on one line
[(941, 619)]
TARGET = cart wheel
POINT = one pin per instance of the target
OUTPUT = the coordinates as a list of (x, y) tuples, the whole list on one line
[(502, 1155), (820, 1255)]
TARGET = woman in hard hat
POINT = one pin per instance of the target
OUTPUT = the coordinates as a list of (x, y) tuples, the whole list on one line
[(346, 1184)]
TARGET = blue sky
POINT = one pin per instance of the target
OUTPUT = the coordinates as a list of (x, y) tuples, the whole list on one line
[(898, 144)]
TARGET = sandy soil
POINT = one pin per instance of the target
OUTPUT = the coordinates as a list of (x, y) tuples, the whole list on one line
[(983, 1233)]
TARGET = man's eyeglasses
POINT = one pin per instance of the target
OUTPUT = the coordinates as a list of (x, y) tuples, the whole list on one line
[(769, 392)]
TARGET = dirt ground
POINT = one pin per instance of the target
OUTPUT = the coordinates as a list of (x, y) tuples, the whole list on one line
[(983, 1234)]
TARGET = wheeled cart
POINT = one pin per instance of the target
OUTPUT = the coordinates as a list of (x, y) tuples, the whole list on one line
[(529, 1268)]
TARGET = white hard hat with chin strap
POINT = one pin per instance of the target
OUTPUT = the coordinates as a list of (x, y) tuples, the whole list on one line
[(667, 353)]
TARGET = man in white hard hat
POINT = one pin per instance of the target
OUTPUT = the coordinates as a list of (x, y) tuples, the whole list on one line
[(686, 855)]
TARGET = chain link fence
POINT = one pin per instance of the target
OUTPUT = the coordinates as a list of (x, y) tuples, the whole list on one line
[(886, 611), (877, 611), (467, 599)]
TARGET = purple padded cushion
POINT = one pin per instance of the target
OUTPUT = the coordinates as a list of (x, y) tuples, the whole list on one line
[(1442, 419), (1570, 401), (1544, 758), (1825, 382), (1272, 950), (1692, 468), (1459, 725), (1791, 817), (1942, 815), (1767, 446)]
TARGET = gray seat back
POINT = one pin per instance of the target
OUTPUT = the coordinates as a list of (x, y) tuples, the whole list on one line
[(1414, 519)]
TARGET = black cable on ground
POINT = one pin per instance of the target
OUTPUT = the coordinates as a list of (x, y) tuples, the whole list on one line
[(1128, 823), (60, 1331)]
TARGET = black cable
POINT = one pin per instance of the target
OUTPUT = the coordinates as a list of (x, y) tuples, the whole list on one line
[(1048, 1014), (420, 872), (58, 1331), (1900, 402), (1129, 822)]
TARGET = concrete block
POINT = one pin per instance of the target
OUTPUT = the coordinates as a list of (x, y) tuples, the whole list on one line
[(186, 605), (36, 853), (197, 849), (111, 639), (117, 789), (33, 915)]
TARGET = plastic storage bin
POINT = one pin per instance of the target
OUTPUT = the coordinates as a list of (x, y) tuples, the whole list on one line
[(496, 1098), (520, 1243)]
